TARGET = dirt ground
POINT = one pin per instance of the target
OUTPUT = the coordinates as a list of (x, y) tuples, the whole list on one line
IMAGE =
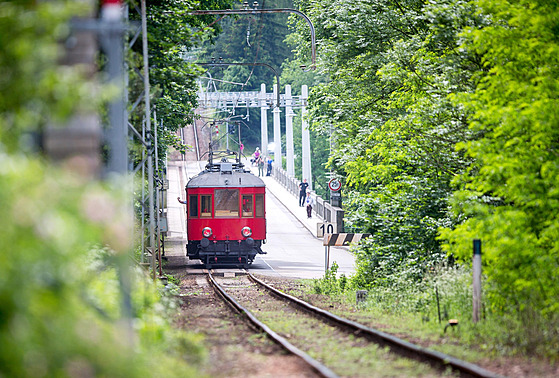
[(235, 349)]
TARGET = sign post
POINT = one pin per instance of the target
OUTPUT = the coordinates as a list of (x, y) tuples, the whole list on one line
[(335, 195), (324, 230), (339, 240)]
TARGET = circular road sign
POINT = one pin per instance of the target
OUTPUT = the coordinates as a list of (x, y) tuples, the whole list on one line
[(334, 185)]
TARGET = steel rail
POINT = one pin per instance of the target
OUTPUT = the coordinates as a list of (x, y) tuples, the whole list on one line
[(314, 364), (436, 359)]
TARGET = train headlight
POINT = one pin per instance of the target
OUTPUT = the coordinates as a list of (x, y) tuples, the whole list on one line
[(207, 232), (246, 232)]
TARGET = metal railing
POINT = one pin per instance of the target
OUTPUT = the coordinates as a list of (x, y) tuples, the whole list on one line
[(323, 209)]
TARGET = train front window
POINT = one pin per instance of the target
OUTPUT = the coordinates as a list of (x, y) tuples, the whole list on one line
[(259, 205), (193, 206), (226, 203), (247, 206), (206, 206)]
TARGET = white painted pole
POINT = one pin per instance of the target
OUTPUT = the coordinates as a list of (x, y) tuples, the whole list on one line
[(263, 120), (477, 281), (289, 132), (277, 132), (306, 139)]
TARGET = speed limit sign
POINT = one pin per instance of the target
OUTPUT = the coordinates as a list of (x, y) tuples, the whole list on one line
[(334, 185)]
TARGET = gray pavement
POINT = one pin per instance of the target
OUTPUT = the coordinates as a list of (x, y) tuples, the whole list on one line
[(292, 247)]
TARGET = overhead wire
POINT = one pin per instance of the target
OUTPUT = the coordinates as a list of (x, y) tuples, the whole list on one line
[(256, 43)]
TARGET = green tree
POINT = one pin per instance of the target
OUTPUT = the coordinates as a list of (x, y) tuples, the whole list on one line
[(60, 312), (172, 34), (34, 89), (509, 195), (258, 38), (393, 127)]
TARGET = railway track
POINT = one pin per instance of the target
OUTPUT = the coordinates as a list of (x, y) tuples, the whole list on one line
[(316, 366), (340, 343)]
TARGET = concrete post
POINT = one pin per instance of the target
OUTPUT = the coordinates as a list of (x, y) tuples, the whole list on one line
[(263, 120), (289, 132), (277, 132), (306, 139), (476, 281)]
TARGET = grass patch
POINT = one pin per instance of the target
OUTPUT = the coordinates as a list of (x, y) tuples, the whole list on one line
[(345, 354), (419, 312)]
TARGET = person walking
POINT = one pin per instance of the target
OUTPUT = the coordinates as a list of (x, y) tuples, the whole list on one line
[(303, 192), (310, 203), (269, 170), (256, 156), (261, 165)]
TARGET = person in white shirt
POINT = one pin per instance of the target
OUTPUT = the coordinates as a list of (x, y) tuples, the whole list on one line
[(309, 201)]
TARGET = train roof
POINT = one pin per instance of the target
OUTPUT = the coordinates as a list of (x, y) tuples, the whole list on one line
[(225, 174)]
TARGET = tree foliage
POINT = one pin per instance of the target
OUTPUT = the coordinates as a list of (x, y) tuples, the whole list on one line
[(516, 161), (393, 126), (172, 34), (248, 40), (257, 38), (34, 89), (444, 118), (60, 297), (60, 293)]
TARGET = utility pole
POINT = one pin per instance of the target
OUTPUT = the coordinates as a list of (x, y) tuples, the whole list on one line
[(305, 138), (147, 115), (76, 145)]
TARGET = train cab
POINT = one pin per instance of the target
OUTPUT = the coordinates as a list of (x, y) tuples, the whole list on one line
[(226, 215)]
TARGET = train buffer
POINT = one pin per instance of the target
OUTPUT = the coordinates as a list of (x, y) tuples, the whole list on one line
[(342, 239)]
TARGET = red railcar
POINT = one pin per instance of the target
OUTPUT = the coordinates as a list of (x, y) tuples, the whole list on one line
[(226, 216)]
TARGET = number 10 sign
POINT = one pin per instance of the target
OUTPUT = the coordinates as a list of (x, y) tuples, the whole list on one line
[(325, 228)]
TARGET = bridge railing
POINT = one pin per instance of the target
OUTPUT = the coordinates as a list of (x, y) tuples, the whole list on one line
[(323, 209)]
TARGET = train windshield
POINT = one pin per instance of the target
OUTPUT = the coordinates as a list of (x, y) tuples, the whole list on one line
[(226, 203)]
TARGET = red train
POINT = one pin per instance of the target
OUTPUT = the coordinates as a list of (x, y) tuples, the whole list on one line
[(226, 216)]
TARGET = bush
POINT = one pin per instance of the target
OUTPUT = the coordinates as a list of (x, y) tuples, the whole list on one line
[(60, 297), (330, 284)]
